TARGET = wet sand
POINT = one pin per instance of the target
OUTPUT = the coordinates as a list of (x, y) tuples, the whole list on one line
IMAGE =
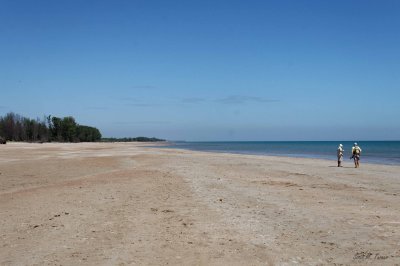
[(129, 204)]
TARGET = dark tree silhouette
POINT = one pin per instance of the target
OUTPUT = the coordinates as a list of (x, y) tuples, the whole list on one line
[(17, 128)]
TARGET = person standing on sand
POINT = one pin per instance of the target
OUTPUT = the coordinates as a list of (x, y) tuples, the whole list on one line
[(356, 153), (340, 155)]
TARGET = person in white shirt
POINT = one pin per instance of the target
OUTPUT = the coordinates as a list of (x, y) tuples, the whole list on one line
[(340, 155)]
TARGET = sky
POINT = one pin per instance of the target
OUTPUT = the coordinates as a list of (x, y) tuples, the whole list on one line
[(206, 70)]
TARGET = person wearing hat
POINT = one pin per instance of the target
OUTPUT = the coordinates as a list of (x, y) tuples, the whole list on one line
[(356, 152), (340, 155)]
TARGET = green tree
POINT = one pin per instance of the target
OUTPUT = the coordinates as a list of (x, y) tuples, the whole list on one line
[(19, 128), (56, 129), (68, 126)]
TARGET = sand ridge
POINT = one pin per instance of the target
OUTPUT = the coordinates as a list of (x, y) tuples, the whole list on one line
[(130, 204)]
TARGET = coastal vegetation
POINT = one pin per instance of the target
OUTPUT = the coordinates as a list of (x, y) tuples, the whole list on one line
[(14, 127), (138, 139)]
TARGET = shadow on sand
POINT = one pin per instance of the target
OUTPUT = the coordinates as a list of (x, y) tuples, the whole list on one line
[(341, 166)]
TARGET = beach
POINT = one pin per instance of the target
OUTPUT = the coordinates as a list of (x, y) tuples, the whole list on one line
[(133, 204)]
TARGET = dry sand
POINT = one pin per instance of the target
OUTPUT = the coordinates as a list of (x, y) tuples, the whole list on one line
[(128, 204)]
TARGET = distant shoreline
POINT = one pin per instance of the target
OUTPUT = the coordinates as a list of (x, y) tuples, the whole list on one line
[(375, 152)]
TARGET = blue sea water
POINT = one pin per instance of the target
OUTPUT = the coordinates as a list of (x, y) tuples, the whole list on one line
[(379, 152)]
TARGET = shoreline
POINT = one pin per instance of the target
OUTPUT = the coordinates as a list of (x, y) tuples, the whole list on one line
[(168, 145), (300, 156), (162, 147)]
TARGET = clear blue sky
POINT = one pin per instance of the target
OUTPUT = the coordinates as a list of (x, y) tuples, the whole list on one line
[(206, 70)]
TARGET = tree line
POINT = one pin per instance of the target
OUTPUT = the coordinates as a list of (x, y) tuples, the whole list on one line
[(14, 127), (137, 139)]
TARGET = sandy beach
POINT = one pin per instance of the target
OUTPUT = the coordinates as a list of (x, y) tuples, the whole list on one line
[(130, 204)]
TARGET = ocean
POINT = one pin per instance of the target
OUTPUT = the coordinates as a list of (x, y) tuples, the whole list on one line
[(378, 152)]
